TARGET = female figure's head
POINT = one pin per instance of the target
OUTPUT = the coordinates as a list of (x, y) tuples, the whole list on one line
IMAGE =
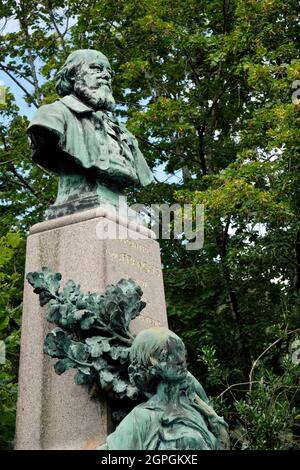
[(157, 355)]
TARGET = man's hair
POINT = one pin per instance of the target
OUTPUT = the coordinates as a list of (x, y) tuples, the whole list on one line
[(64, 83)]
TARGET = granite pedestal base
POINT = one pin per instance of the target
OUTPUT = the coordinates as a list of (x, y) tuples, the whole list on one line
[(93, 248)]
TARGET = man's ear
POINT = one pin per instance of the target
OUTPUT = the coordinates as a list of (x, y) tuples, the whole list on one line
[(73, 73), (72, 76)]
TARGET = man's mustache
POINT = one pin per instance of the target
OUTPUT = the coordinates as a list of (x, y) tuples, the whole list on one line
[(103, 82)]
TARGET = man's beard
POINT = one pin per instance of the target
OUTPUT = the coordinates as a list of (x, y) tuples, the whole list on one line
[(97, 98)]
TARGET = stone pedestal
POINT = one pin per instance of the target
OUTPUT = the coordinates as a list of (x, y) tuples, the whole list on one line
[(93, 248)]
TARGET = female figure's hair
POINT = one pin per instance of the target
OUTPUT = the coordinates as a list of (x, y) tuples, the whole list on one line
[(145, 352)]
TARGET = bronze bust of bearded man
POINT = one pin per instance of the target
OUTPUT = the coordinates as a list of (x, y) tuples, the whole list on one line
[(79, 138)]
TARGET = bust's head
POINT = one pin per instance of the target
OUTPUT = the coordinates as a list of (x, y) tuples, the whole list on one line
[(87, 74), (157, 355)]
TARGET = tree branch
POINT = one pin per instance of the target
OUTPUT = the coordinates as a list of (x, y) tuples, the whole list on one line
[(196, 75), (20, 86), (16, 71), (24, 27), (24, 183), (236, 314), (297, 250), (226, 5), (19, 177), (235, 385), (225, 238), (265, 351), (9, 161), (49, 9), (201, 151)]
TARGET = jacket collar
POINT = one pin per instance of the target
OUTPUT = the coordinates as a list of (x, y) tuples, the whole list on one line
[(75, 104), (78, 107)]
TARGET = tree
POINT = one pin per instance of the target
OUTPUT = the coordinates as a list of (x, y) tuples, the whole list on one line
[(207, 89), (10, 299)]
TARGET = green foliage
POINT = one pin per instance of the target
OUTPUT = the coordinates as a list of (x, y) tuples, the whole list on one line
[(94, 335), (8, 397), (207, 88), (269, 413), (10, 298)]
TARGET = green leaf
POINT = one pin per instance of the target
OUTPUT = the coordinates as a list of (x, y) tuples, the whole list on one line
[(97, 346), (56, 343), (78, 351), (120, 353), (64, 364), (106, 378), (71, 291), (100, 364), (81, 378), (45, 283)]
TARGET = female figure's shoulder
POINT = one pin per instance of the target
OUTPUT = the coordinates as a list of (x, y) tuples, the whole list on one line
[(135, 430), (194, 386)]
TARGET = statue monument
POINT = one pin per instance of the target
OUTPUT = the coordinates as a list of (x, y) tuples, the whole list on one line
[(162, 405), (79, 138), (116, 342), (177, 414), (86, 239)]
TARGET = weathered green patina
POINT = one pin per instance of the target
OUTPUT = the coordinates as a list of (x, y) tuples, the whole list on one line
[(79, 138), (93, 337), (177, 416), (93, 330)]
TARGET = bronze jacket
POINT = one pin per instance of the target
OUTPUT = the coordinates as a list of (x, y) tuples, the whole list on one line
[(85, 135)]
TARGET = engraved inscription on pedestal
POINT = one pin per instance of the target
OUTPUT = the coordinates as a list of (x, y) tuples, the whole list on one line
[(140, 260)]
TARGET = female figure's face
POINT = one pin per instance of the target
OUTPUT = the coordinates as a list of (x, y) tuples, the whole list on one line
[(171, 363), (157, 356)]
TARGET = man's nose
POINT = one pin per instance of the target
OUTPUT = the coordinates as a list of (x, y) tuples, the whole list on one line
[(106, 73)]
